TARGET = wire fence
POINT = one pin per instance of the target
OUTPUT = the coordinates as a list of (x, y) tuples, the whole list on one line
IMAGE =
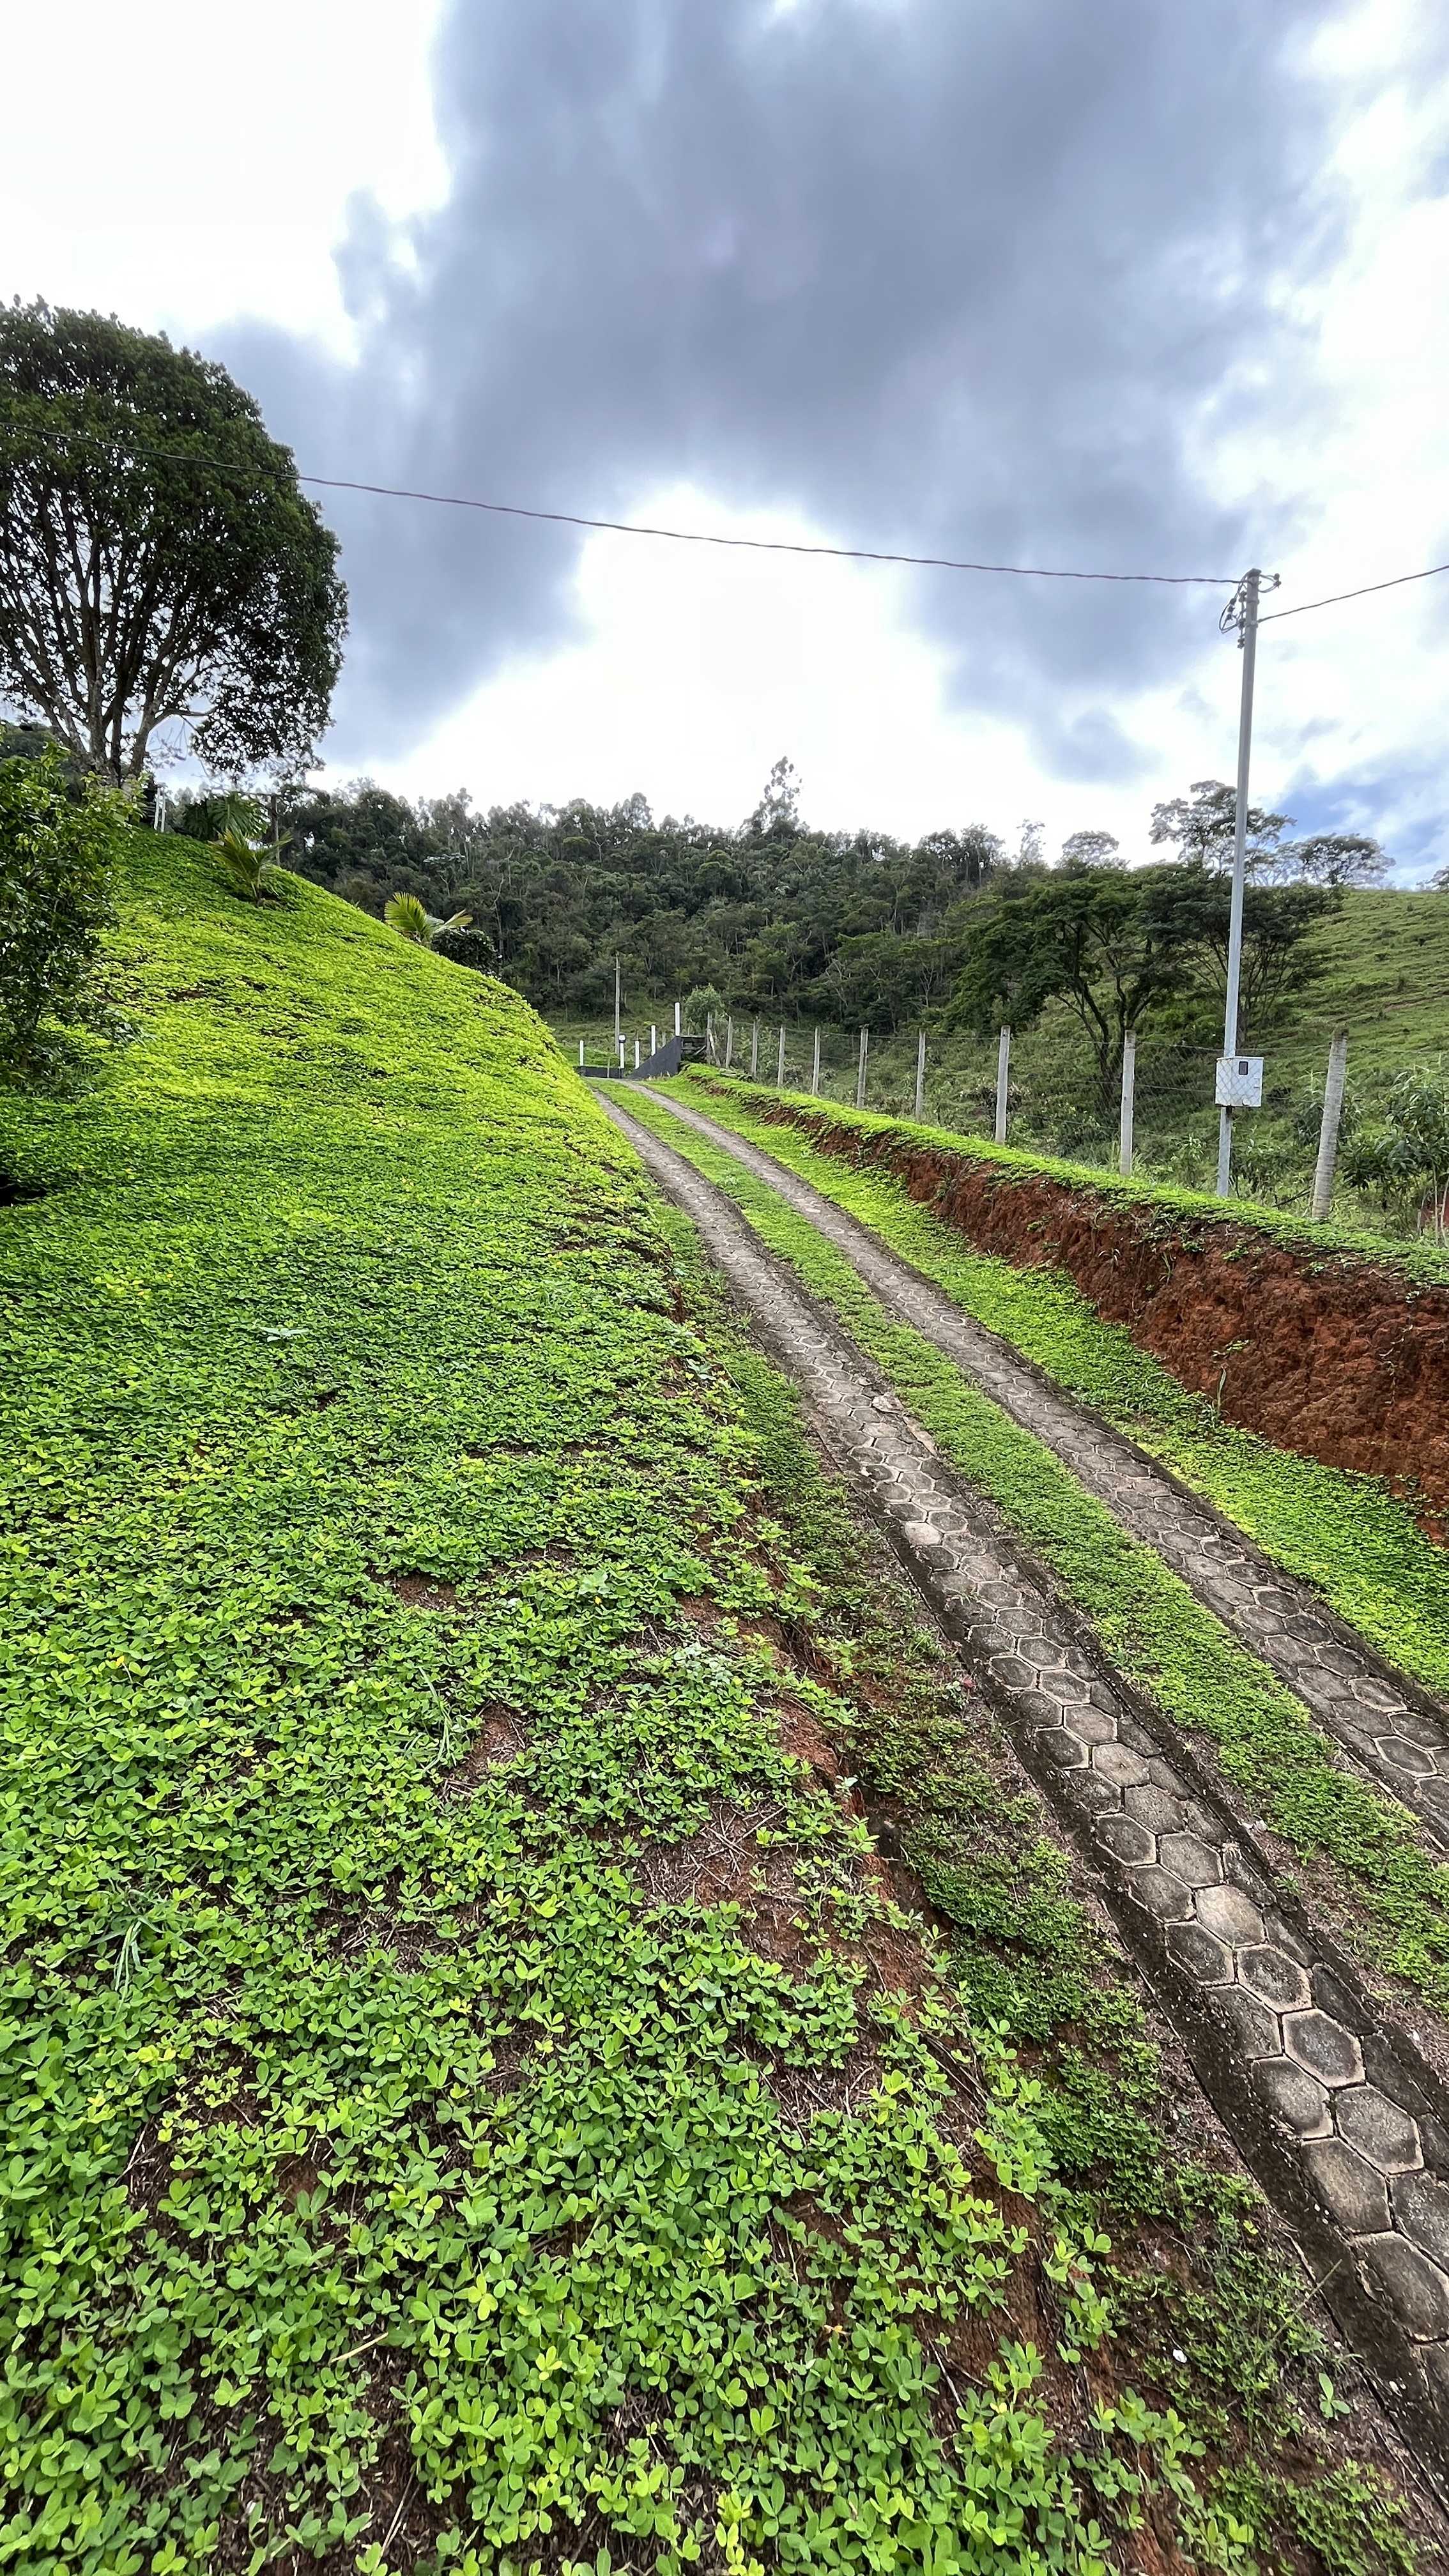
[(1155, 1113)]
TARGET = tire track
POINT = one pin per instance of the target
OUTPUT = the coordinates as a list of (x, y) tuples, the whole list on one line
[(1331, 2105), (1389, 1729)]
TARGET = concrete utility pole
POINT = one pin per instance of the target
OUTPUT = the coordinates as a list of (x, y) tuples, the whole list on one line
[(1129, 1096), (780, 1067), (815, 1068), (1328, 1131), (618, 1023), (1242, 612), (921, 1075), (1003, 1076), (860, 1069)]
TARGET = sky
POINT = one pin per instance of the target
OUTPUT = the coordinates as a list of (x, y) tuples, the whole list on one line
[(1133, 288)]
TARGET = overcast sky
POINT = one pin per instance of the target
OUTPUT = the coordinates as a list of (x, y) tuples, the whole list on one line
[(1138, 286)]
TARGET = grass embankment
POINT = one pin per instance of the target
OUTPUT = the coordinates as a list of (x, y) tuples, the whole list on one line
[(470, 2100), (1344, 1534), (1394, 1898)]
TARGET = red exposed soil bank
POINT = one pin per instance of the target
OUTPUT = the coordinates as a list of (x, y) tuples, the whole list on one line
[(1333, 1355)]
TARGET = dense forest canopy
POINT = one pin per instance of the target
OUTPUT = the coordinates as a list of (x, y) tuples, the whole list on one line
[(852, 927)]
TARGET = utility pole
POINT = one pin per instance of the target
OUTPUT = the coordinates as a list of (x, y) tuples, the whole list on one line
[(1242, 612)]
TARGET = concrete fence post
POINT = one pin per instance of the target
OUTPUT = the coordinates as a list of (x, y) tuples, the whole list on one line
[(1328, 1130), (621, 1055), (1129, 1100), (780, 1066), (653, 1038), (1003, 1075), (815, 1068), (860, 1069), (754, 1049), (676, 1020), (921, 1075), (729, 1043), (581, 1055), (636, 1055)]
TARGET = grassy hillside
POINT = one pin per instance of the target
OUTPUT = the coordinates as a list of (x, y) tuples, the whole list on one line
[(473, 2101), (1387, 955)]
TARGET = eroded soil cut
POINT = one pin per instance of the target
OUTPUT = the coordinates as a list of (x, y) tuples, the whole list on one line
[(1338, 1357)]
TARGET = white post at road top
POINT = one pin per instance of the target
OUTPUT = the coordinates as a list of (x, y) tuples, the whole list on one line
[(815, 1068), (729, 1043), (676, 1019), (754, 1049), (1243, 608), (1328, 1131), (780, 1067), (921, 1075), (860, 1069), (1003, 1073), (1129, 1097)]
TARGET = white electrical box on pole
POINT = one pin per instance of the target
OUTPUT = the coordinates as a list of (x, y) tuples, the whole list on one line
[(1242, 612)]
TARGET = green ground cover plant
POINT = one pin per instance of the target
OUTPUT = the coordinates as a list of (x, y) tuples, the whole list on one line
[(419, 1935), (1347, 1535), (1395, 1898)]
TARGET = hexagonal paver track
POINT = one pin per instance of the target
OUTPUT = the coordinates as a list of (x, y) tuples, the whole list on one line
[(1331, 2108), (1386, 1726)]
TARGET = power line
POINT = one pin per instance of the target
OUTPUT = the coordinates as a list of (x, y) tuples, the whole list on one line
[(636, 528), (1334, 597), (750, 545)]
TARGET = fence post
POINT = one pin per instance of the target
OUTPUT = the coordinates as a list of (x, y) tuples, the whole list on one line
[(1328, 1131), (860, 1070), (754, 1048), (653, 1038), (636, 1055), (815, 1069), (676, 1019), (921, 1075), (1129, 1097), (1003, 1070), (621, 1055), (729, 1042), (780, 1067), (581, 1055)]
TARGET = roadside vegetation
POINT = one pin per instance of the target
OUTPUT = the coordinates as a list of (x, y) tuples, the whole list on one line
[(474, 2101)]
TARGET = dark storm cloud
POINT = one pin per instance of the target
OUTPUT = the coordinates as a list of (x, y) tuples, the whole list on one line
[(948, 277)]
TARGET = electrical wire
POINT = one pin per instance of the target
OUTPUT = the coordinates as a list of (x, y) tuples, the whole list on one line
[(751, 545), (1334, 597), (636, 528)]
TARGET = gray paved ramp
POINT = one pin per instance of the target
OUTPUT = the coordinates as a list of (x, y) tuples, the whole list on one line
[(1387, 1727), (1332, 2105)]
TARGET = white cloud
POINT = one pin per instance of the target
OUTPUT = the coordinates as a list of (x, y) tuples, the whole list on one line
[(195, 163)]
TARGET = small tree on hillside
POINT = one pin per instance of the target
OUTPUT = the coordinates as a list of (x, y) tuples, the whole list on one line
[(1201, 827), (58, 847), (159, 562), (1088, 937)]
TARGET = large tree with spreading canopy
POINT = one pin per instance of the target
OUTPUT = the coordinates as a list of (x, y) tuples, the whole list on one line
[(161, 570)]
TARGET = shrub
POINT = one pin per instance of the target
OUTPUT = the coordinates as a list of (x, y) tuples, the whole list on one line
[(57, 850), (248, 871)]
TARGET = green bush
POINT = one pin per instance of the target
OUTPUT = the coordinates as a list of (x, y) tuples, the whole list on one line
[(57, 852)]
